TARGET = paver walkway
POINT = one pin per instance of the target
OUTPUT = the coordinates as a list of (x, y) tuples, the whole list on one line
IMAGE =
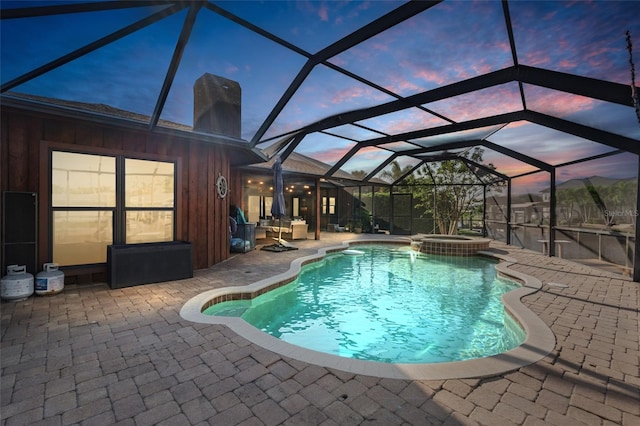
[(96, 356)]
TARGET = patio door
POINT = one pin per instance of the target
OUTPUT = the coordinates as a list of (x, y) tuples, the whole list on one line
[(402, 213)]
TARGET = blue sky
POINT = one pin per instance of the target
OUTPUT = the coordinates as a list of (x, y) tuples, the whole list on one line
[(453, 41)]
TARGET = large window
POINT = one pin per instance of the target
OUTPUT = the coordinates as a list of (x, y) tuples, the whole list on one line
[(98, 200), (149, 200)]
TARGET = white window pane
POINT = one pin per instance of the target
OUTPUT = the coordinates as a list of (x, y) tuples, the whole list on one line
[(148, 183), (81, 237), (149, 226), (82, 180)]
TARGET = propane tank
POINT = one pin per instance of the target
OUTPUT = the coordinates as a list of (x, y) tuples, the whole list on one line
[(17, 284), (50, 280)]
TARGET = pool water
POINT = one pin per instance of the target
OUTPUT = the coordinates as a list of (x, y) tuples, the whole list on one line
[(389, 304)]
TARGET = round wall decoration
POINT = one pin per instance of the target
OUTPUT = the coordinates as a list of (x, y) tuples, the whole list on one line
[(221, 186)]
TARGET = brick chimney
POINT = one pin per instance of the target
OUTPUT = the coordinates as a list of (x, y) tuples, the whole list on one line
[(216, 105)]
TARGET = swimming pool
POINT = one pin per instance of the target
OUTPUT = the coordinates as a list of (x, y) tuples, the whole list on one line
[(388, 304), (539, 340)]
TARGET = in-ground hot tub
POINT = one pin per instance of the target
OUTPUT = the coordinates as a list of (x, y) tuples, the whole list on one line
[(449, 245)]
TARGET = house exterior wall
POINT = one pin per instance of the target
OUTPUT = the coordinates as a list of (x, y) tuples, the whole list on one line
[(201, 215)]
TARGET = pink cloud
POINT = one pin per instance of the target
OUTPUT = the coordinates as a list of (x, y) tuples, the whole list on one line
[(347, 94), (400, 126), (339, 61), (381, 47), (330, 156), (401, 85), (537, 59), (354, 94), (461, 72), (597, 52), (404, 121), (323, 12), (481, 103), (368, 150), (567, 64), (514, 169), (531, 183), (563, 44), (504, 46), (557, 103), (431, 76), (314, 8), (482, 68), (518, 124)]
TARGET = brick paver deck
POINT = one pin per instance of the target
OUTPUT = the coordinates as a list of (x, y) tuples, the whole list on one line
[(96, 356)]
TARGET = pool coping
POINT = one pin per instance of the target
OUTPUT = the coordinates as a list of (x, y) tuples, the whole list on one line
[(540, 340)]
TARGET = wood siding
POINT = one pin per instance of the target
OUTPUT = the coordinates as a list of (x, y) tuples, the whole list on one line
[(202, 216)]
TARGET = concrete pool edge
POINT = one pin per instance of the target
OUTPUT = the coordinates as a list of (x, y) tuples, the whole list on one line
[(540, 340)]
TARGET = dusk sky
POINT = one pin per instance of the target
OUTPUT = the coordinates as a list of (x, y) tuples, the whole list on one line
[(450, 42)]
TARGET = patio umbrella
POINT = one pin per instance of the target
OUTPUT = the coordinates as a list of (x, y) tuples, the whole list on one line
[(278, 207)]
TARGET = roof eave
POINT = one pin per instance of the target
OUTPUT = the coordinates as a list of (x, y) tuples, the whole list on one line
[(241, 151)]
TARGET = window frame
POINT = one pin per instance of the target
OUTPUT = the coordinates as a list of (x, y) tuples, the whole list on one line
[(120, 209), (123, 202)]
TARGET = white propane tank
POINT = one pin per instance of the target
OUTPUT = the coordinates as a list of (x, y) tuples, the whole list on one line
[(17, 284), (50, 280)]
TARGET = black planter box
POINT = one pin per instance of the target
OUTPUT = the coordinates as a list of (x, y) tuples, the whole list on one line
[(134, 264)]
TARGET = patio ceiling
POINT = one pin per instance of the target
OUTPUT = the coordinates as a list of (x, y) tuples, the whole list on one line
[(536, 85)]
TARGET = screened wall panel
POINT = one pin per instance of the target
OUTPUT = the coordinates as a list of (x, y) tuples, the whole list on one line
[(496, 214), (381, 209), (596, 211), (529, 213)]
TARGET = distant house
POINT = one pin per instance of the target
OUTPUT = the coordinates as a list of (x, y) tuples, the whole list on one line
[(525, 209)]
